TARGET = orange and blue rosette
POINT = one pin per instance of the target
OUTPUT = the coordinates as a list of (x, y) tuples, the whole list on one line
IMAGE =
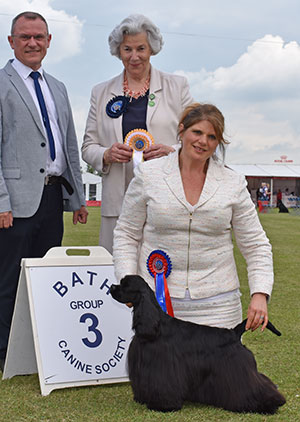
[(159, 266), (138, 140)]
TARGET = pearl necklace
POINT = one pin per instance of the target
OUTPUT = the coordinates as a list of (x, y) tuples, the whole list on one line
[(132, 94)]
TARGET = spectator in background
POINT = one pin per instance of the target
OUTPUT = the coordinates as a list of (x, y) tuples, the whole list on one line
[(278, 197), (263, 192)]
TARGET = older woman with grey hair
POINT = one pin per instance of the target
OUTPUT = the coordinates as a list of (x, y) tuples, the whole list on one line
[(133, 117)]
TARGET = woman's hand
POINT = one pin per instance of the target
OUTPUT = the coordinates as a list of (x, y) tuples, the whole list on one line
[(117, 153), (156, 151), (257, 312)]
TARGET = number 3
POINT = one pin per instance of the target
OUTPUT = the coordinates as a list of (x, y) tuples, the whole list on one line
[(92, 328)]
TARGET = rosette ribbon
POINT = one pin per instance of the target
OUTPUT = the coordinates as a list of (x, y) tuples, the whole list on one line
[(159, 266), (138, 140), (117, 106)]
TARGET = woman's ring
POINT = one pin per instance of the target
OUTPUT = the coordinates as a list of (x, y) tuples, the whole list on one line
[(261, 317)]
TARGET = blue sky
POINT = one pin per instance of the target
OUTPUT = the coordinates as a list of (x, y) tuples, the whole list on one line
[(243, 56)]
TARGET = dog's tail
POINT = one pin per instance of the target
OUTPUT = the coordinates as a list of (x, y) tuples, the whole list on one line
[(241, 328)]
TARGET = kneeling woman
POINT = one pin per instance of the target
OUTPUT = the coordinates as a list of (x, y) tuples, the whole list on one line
[(186, 205)]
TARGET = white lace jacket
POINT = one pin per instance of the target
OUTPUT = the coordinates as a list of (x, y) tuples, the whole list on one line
[(198, 239)]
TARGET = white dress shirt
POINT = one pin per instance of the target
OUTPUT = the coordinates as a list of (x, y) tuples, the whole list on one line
[(59, 165)]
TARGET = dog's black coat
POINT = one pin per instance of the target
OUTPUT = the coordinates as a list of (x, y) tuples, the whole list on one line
[(170, 360), (282, 207)]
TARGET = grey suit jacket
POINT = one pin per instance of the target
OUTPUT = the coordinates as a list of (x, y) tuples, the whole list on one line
[(22, 144), (172, 95)]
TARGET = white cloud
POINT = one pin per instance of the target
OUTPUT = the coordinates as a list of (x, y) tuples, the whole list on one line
[(257, 138), (268, 69), (67, 39), (260, 98), (80, 111)]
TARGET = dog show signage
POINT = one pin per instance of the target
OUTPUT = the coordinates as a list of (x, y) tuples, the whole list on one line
[(66, 325)]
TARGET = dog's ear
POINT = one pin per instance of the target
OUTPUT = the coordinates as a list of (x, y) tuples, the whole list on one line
[(146, 318)]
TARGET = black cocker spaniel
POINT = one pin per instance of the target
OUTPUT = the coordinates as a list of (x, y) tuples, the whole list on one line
[(170, 360)]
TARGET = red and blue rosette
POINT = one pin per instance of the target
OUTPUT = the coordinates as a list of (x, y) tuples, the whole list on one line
[(159, 266)]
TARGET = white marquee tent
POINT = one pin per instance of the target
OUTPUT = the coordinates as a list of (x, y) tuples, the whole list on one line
[(279, 176), (267, 170), (93, 186), (285, 177)]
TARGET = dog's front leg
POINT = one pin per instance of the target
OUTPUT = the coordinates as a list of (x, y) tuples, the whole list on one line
[(154, 376)]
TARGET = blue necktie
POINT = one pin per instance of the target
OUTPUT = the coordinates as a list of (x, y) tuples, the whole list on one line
[(35, 76)]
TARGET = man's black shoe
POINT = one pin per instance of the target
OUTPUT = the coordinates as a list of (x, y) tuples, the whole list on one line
[(2, 362)]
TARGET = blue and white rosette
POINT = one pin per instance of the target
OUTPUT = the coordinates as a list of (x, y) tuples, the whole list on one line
[(117, 106)]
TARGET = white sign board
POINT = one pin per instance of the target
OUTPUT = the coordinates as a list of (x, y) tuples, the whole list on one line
[(81, 334)]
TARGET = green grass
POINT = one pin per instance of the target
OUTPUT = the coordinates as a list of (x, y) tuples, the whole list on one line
[(277, 357), (83, 234)]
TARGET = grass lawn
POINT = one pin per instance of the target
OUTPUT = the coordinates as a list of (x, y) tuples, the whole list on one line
[(277, 357)]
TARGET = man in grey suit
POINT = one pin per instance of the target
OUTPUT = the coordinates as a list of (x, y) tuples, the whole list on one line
[(39, 161)]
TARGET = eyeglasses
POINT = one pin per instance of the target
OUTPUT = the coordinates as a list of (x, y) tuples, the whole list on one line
[(25, 37)]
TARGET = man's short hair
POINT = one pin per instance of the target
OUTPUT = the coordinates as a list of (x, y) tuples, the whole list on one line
[(27, 15)]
